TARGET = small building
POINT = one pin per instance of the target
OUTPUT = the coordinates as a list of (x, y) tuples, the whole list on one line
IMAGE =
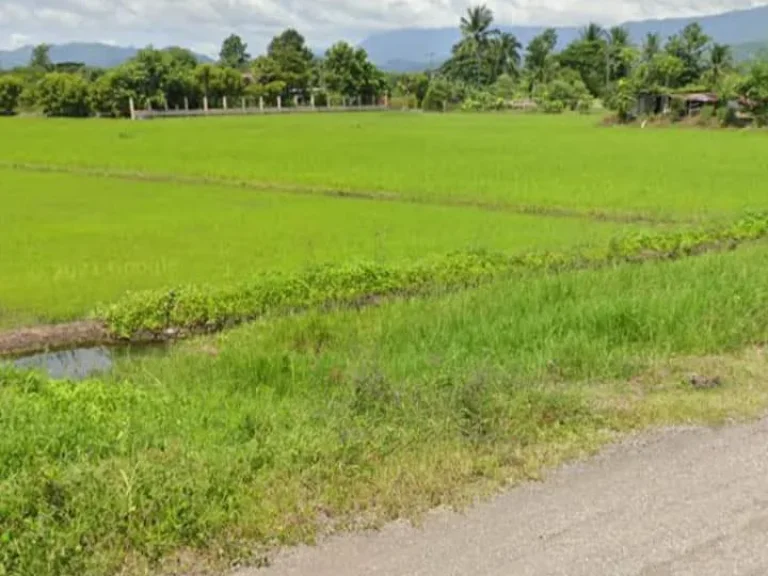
[(695, 101), (661, 103), (652, 104)]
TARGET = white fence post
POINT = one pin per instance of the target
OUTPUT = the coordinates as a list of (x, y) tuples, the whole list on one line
[(279, 103), (224, 102), (131, 108), (205, 104), (261, 103)]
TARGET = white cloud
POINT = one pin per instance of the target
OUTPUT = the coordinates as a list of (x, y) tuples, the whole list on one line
[(204, 23), (18, 40)]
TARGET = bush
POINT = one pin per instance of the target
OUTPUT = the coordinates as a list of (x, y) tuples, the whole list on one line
[(584, 106), (482, 102), (553, 106), (677, 109), (727, 117), (441, 93), (209, 307), (706, 116), (408, 102), (10, 93), (64, 95)]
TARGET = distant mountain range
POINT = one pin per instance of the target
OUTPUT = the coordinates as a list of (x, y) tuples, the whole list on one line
[(91, 54), (414, 48)]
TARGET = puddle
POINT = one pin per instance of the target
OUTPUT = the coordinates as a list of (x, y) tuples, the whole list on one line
[(79, 363), (76, 364)]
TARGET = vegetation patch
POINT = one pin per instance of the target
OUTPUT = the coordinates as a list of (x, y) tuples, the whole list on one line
[(316, 422), (213, 307)]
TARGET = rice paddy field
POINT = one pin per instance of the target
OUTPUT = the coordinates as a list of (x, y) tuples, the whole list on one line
[(515, 161), (389, 313)]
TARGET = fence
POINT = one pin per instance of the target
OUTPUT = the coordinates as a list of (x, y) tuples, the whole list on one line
[(244, 109)]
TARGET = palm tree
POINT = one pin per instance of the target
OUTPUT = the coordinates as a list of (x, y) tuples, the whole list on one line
[(592, 33), (506, 54), (476, 30), (651, 46), (476, 24), (619, 36), (720, 61)]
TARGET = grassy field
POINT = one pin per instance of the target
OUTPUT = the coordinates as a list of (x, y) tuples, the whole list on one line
[(398, 354), (71, 242), (510, 159), (289, 426)]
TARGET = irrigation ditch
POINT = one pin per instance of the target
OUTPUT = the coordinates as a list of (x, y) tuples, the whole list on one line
[(146, 319)]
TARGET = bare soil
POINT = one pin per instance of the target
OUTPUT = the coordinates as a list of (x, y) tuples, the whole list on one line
[(54, 336)]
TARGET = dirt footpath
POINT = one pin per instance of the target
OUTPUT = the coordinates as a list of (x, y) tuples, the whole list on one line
[(680, 502)]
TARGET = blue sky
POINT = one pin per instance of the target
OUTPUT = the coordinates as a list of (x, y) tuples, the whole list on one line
[(202, 24)]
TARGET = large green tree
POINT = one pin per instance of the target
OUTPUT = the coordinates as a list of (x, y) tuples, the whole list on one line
[(234, 52), (348, 72), (41, 58), (294, 60), (588, 56), (540, 62), (690, 47)]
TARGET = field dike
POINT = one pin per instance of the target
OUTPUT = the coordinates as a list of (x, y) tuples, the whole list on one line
[(372, 195), (178, 312)]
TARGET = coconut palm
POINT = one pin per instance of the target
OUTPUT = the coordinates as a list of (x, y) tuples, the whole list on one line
[(651, 46), (505, 52), (476, 24), (593, 33), (720, 61), (619, 36), (476, 30)]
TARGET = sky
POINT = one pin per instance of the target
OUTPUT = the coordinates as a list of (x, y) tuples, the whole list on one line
[(202, 24)]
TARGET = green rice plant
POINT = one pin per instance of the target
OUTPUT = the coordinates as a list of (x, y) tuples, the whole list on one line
[(70, 242), (564, 161)]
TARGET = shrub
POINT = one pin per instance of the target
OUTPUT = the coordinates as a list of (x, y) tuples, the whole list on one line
[(553, 106), (209, 308), (10, 93), (408, 102), (706, 116), (677, 109), (727, 117), (64, 95), (584, 106)]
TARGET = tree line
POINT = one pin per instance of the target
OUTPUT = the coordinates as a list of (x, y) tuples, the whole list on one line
[(173, 78), (487, 69)]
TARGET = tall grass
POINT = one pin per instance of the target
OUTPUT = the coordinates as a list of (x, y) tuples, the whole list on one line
[(273, 431), (516, 159), (70, 242)]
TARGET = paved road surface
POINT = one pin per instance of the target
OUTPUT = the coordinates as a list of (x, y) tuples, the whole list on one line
[(682, 502)]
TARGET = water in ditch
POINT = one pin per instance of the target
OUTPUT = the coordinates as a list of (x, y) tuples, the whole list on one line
[(79, 363)]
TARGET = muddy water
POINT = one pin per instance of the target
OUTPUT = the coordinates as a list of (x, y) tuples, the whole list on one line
[(82, 363), (76, 364)]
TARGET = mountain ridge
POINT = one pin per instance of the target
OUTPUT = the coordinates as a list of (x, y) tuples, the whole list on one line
[(94, 54), (414, 45), (413, 49)]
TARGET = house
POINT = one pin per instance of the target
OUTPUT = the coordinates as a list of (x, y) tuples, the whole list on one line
[(661, 103)]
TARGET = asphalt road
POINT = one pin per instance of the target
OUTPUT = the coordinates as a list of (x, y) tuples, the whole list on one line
[(679, 502)]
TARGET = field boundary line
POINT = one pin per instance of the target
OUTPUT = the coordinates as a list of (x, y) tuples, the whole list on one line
[(370, 195)]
